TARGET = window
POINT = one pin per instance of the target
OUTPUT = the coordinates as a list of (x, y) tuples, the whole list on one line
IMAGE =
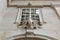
[(31, 14), (25, 14)]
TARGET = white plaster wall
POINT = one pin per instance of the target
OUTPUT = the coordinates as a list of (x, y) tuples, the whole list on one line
[(53, 23), (8, 23), (7, 26), (51, 28), (3, 8)]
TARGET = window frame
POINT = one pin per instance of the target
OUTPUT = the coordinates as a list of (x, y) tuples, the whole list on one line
[(31, 14)]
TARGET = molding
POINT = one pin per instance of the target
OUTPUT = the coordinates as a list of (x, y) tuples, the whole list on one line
[(27, 6), (35, 0), (31, 36), (11, 4)]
